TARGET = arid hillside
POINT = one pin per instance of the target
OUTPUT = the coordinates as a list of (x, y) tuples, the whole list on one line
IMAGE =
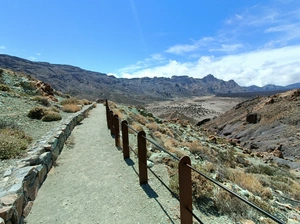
[(264, 125)]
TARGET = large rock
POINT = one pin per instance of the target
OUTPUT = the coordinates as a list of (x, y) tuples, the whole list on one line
[(253, 118)]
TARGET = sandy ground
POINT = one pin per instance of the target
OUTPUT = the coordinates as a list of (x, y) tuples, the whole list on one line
[(91, 183), (212, 106)]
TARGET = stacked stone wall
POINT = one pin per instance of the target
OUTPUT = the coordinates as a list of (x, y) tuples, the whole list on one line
[(19, 185)]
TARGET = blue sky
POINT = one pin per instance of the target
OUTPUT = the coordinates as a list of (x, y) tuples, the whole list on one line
[(253, 42)]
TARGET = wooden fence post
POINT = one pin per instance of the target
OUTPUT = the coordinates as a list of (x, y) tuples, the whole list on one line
[(116, 130), (185, 190), (107, 113), (125, 143), (142, 154), (111, 121)]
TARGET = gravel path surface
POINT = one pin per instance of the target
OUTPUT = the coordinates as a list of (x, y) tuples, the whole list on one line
[(93, 184)]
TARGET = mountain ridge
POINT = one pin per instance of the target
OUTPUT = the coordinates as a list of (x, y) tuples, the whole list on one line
[(92, 85)]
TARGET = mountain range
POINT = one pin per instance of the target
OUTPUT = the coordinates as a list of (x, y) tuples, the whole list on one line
[(92, 85)]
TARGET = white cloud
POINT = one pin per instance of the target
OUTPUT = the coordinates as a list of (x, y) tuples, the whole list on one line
[(2, 47), (182, 48), (258, 46), (185, 48), (153, 60), (31, 58), (267, 66), (229, 48)]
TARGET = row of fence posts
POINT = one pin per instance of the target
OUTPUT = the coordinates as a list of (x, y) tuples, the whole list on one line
[(184, 172)]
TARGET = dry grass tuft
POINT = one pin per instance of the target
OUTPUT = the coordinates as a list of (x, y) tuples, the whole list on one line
[(119, 112), (71, 101), (139, 118), (248, 181), (196, 147), (13, 143), (152, 126), (42, 100), (71, 108), (136, 127), (51, 116)]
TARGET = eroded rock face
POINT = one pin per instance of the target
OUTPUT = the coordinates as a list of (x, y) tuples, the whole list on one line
[(253, 118), (264, 124)]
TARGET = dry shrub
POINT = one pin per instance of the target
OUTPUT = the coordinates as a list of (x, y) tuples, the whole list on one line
[(85, 102), (179, 153), (71, 101), (4, 88), (157, 134), (119, 113), (265, 205), (152, 126), (13, 143), (229, 204), (248, 181), (267, 193), (37, 112), (295, 189), (111, 105), (151, 119), (71, 108), (201, 187), (195, 147), (169, 133), (137, 127), (139, 118), (55, 109), (42, 100), (170, 143), (51, 116)]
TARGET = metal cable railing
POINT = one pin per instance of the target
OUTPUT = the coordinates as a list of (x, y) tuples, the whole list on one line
[(183, 162)]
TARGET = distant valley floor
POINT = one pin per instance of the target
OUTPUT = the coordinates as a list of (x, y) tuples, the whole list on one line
[(194, 109)]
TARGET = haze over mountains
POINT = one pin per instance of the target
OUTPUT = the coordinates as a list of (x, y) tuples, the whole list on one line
[(93, 85)]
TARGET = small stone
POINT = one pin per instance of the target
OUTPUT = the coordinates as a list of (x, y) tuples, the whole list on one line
[(8, 172), (27, 208), (150, 164), (9, 199)]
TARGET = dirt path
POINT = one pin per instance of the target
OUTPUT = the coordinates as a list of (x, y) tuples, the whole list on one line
[(93, 184)]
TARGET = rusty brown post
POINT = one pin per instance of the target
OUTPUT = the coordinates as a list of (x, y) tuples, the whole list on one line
[(142, 154), (116, 130), (111, 121), (125, 139), (107, 113), (185, 190)]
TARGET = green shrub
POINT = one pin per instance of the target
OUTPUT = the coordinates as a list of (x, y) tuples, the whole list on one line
[(4, 88), (42, 100), (37, 113), (51, 116), (13, 143)]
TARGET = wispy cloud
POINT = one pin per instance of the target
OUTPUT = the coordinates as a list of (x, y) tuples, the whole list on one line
[(258, 67), (185, 48), (257, 46), (2, 47), (153, 60), (229, 48)]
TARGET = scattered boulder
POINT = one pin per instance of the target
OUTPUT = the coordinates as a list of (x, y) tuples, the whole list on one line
[(203, 121), (253, 118)]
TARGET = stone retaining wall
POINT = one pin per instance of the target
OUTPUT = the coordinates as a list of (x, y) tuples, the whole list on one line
[(19, 186)]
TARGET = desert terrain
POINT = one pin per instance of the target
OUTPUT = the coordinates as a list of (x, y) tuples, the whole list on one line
[(194, 109)]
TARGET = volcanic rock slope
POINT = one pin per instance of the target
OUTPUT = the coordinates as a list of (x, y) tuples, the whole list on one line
[(264, 124), (93, 85)]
